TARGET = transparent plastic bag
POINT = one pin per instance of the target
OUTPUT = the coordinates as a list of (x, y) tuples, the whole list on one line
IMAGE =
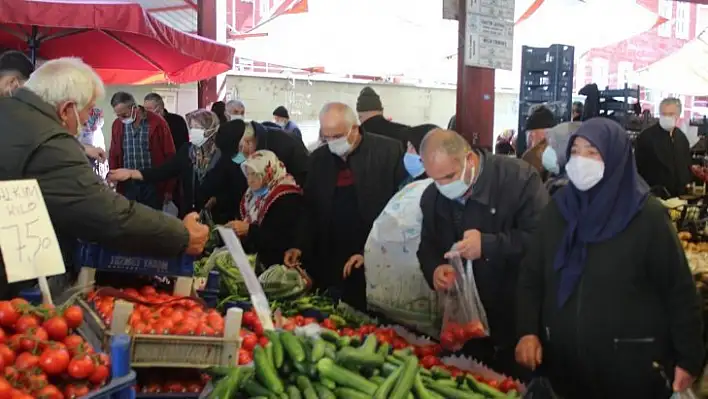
[(687, 394), (170, 208), (464, 317)]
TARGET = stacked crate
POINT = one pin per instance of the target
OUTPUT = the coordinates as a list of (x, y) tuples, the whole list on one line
[(546, 78)]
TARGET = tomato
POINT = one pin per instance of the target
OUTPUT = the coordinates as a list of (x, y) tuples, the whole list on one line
[(309, 320), (47, 311), (153, 388), (8, 314), (177, 316), (14, 342), (11, 373), (73, 342), (54, 361), (193, 388), (148, 291), (3, 336), (258, 329), (26, 361), (205, 331), (5, 389), (447, 340), (37, 381), (80, 367), (263, 341), (19, 303), (289, 326), (49, 392), (458, 333), (7, 355), (249, 342), (74, 316), (26, 322), (174, 387), (244, 356), (430, 361), (75, 391), (507, 385), (21, 395), (399, 343), (33, 339), (346, 331), (493, 383), (299, 320), (249, 318), (103, 359), (100, 375)]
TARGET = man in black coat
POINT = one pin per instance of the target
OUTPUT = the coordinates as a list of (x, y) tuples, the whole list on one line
[(488, 207), (663, 153), (178, 127), (370, 110), (350, 180)]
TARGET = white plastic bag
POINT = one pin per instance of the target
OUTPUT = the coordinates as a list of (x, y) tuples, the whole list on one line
[(395, 285), (170, 208)]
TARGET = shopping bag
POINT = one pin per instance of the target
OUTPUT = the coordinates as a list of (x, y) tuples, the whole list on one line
[(170, 208), (395, 285), (464, 317), (540, 388)]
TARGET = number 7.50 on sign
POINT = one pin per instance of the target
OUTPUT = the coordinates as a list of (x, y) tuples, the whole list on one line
[(29, 245)]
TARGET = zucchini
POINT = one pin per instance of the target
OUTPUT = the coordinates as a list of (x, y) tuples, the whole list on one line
[(404, 384), (278, 357), (328, 383), (318, 350), (329, 335), (269, 353), (484, 389), (348, 393), (308, 391), (369, 345), (292, 347), (323, 392), (265, 372), (293, 392), (359, 358), (253, 388), (421, 392), (383, 390), (344, 377), (388, 368), (384, 349), (344, 341), (452, 393), (439, 372)]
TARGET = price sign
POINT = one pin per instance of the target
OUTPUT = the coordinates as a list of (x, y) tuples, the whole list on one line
[(27, 239)]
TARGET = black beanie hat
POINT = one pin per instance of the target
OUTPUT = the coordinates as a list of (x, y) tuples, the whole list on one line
[(281, 112), (540, 118), (368, 100)]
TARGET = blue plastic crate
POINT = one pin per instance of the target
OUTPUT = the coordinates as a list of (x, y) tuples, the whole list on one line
[(557, 57), (91, 255), (122, 385), (540, 94)]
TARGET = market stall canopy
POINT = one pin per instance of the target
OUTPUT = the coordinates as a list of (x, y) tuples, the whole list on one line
[(120, 40), (684, 71)]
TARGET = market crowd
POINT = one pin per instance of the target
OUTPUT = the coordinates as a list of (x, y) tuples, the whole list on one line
[(577, 264)]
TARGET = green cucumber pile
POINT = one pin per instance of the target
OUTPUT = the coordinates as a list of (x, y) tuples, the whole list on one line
[(333, 366)]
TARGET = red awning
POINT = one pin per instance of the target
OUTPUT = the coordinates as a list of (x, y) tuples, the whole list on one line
[(120, 40)]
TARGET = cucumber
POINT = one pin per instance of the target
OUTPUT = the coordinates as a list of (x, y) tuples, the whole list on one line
[(344, 341), (323, 392), (484, 389), (253, 388), (448, 383), (328, 383), (421, 392), (378, 380), (329, 345), (402, 354), (293, 392), (306, 347), (308, 391), (349, 393), (388, 368), (439, 372), (344, 377), (369, 345), (359, 358), (278, 357), (330, 353), (318, 350), (292, 347), (383, 390), (384, 349), (394, 360), (265, 372), (406, 380), (269, 353), (452, 393), (329, 335)]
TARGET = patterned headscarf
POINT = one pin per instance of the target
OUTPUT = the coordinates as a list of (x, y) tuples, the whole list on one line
[(202, 156), (276, 183)]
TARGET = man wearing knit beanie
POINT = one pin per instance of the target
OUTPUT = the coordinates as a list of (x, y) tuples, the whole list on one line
[(370, 111), (281, 117), (540, 119)]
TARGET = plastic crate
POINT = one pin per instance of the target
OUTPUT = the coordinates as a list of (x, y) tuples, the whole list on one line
[(557, 57), (123, 378), (91, 255), (540, 94), (547, 78), (147, 350)]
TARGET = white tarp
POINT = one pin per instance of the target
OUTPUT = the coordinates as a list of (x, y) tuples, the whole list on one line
[(684, 71)]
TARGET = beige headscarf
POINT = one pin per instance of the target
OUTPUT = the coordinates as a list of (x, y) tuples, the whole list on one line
[(276, 183)]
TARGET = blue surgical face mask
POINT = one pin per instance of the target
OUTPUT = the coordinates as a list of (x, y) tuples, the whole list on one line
[(130, 119), (260, 192), (549, 159), (413, 164), (457, 188), (239, 158)]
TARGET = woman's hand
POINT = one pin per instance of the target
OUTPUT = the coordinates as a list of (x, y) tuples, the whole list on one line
[(239, 226), (354, 262), (529, 352), (119, 175), (682, 380), (292, 257)]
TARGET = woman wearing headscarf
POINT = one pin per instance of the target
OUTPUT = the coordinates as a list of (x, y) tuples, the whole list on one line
[(193, 164), (553, 158), (219, 108), (606, 305), (411, 159), (94, 143), (270, 208)]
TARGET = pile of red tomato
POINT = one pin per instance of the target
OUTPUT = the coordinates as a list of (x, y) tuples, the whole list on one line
[(171, 381), (42, 357), (160, 313), (455, 335)]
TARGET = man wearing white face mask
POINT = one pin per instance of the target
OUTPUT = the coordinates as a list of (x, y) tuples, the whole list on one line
[(235, 110), (663, 154), (488, 207), (350, 181), (140, 139)]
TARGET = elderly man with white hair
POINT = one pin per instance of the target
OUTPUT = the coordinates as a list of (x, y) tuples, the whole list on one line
[(40, 124), (235, 109), (349, 182)]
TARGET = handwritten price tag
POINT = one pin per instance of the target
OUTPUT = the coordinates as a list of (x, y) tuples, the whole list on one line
[(27, 239)]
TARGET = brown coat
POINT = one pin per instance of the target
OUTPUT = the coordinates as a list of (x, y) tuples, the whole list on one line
[(534, 154)]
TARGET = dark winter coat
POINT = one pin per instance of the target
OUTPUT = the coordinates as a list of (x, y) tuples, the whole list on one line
[(380, 125), (664, 160)]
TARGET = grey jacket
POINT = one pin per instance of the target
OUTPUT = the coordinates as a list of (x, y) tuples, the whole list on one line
[(35, 145)]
